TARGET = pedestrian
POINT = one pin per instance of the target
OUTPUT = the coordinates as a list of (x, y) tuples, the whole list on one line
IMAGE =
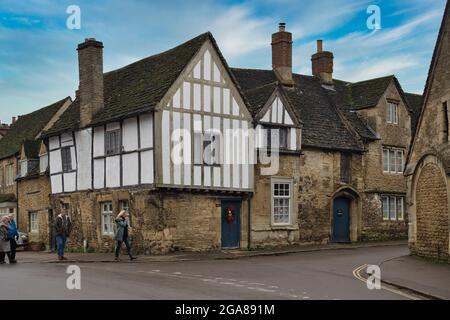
[(122, 235), (63, 228), (5, 246), (13, 236)]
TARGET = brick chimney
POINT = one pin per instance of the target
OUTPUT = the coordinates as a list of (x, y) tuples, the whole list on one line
[(322, 64), (13, 120), (282, 55), (90, 91)]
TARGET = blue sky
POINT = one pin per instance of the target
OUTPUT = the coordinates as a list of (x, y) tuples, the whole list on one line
[(38, 61)]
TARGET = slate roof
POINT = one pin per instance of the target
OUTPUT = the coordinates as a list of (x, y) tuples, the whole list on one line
[(140, 86), (415, 101), (27, 127), (323, 124), (366, 94)]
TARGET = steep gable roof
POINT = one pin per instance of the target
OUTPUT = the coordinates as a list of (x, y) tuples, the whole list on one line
[(323, 125), (27, 127), (415, 102), (366, 94), (140, 86)]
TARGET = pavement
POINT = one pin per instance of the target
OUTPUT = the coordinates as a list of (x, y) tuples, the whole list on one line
[(418, 275), (330, 271), (47, 257), (308, 275)]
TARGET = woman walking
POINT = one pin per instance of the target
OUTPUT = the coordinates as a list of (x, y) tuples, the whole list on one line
[(122, 234), (5, 246)]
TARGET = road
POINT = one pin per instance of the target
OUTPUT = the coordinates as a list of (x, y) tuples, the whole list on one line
[(299, 276)]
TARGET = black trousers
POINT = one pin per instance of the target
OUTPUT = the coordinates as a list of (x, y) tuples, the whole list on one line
[(13, 248), (119, 246), (3, 254)]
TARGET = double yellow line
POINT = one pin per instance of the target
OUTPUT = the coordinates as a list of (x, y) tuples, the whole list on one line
[(357, 275)]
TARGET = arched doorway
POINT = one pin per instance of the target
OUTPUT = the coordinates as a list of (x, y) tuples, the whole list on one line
[(341, 219), (432, 220)]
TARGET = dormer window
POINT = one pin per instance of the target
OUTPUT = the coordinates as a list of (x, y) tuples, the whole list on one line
[(43, 163), (277, 134), (392, 113)]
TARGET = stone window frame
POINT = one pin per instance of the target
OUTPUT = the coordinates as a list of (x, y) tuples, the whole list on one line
[(290, 183), (387, 215), (108, 212), (392, 117), (33, 222), (389, 151)]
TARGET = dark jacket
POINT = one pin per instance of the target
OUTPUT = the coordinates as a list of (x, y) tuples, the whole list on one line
[(63, 226), (121, 225)]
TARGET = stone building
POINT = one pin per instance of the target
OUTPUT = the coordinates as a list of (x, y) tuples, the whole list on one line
[(27, 128), (428, 164), (338, 149)]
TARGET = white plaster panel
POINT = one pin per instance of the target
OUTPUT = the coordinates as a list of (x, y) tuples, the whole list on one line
[(130, 173)]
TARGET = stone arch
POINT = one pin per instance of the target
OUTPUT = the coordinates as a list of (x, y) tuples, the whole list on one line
[(355, 210), (430, 209)]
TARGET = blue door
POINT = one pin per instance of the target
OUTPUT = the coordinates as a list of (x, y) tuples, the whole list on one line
[(341, 220), (231, 224)]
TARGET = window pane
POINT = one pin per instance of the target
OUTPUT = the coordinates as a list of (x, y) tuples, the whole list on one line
[(386, 160), (385, 208), (392, 208), (392, 161), (400, 162), (388, 114), (283, 138), (400, 208)]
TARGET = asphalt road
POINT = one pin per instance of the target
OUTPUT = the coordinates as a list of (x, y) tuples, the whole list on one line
[(301, 276)]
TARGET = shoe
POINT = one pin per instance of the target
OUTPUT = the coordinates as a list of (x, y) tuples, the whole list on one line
[(13, 262), (116, 259), (2, 262), (133, 258), (63, 258), (60, 258)]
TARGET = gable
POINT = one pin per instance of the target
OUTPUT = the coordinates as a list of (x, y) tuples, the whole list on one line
[(277, 112)]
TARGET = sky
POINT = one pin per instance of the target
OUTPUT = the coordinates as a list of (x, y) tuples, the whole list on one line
[(38, 58)]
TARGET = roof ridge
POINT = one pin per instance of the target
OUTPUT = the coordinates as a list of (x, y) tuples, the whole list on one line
[(369, 80), (208, 33), (262, 86)]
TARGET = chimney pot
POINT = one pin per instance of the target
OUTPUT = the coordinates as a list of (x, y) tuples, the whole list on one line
[(13, 120), (282, 27), (319, 45)]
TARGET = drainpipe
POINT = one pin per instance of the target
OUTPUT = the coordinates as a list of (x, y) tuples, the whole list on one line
[(249, 229)]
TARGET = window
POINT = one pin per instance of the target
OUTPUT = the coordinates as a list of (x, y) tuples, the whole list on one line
[(393, 160), (113, 142), (34, 226), (23, 168), (211, 148), (392, 113), (43, 163), (125, 206), (9, 179), (107, 219), (393, 208), (66, 158), (444, 125), (346, 170), (281, 201), (277, 134)]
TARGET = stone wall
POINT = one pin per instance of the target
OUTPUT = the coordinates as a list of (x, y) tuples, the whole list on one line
[(3, 187), (33, 196), (162, 221)]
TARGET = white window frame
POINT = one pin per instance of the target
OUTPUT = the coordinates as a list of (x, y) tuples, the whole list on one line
[(392, 112), (107, 218), (34, 222), (126, 208), (9, 175), (23, 165), (391, 203), (273, 197), (392, 162), (43, 160)]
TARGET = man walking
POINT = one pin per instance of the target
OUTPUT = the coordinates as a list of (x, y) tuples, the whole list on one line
[(63, 228), (13, 236)]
